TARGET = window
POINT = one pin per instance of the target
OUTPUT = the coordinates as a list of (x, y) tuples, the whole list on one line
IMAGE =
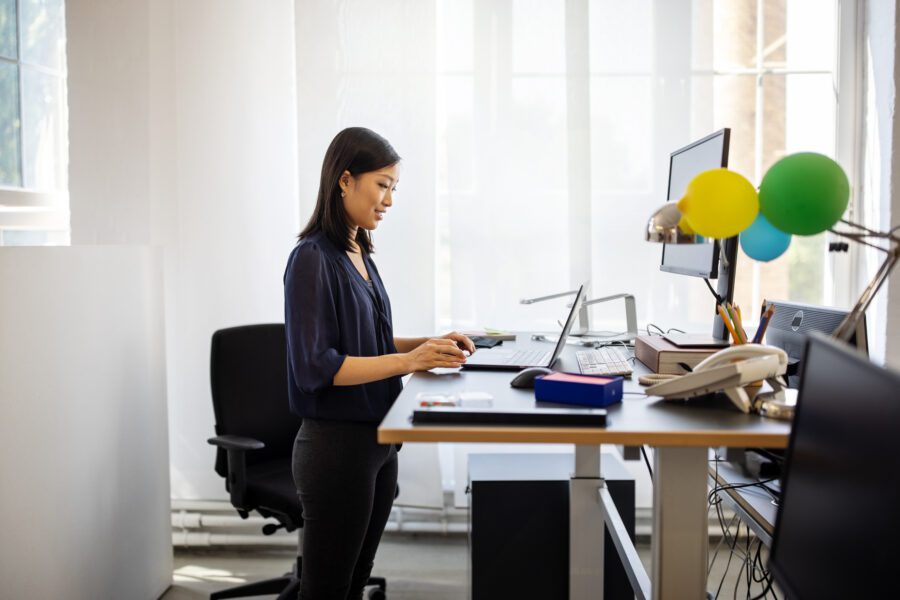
[(33, 123), (774, 80), (555, 121)]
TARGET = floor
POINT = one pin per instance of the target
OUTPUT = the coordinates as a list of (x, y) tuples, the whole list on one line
[(417, 567), (431, 566)]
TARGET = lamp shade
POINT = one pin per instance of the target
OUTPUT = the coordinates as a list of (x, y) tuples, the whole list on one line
[(667, 226)]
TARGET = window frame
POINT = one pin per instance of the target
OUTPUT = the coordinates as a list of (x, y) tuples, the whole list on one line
[(23, 207)]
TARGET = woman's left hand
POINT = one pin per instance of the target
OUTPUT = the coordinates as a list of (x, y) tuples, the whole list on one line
[(461, 340)]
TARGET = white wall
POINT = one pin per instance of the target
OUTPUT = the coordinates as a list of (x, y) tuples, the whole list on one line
[(84, 468), (881, 194), (892, 208), (183, 134)]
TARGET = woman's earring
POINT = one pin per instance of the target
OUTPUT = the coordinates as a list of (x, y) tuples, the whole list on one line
[(343, 194)]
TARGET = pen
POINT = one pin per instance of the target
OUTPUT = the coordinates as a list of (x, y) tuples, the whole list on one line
[(728, 324), (765, 323), (757, 337), (734, 322), (739, 324)]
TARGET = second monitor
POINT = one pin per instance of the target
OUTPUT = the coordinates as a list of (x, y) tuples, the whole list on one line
[(702, 260)]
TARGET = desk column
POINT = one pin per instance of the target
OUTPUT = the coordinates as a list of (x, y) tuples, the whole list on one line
[(586, 527), (680, 533)]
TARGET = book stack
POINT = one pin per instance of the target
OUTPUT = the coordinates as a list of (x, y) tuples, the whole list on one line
[(662, 356)]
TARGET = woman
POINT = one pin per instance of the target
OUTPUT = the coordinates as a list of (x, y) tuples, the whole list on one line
[(345, 366)]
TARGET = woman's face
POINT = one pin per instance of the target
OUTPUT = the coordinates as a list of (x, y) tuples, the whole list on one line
[(368, 195)]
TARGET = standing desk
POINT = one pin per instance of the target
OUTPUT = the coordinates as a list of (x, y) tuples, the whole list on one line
[(680, 434), (754, 506)]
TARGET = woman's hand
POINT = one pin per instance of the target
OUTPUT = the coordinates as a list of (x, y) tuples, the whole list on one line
[(435, 352), (462, 342)]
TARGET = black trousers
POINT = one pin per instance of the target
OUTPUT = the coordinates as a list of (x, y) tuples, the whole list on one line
[(346, 482)]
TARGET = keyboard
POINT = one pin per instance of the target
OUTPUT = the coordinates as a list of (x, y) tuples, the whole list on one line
[(604, 361), (528, 357)]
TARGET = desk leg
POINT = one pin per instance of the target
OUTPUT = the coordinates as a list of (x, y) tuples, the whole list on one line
[(586, 526), (680, 537)]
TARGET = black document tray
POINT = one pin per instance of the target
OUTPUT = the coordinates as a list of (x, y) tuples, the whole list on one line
[(537, 417)]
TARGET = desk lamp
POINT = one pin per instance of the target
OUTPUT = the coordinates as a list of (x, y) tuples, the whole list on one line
[(583, 328), (801, 194)]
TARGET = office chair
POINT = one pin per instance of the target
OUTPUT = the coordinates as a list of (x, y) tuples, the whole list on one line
[(255, 433)]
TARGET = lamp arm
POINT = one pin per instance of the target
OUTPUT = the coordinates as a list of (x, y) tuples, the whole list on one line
[(603, 299), (871, 233), (858, 226), (861, 238), (550, 297), (848, 326), (630, 310)]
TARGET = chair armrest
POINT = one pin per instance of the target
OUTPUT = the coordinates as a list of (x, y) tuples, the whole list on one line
[(235, 447), (235, 442)]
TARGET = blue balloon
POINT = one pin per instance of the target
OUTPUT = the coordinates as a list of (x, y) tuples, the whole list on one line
[(763, 242)]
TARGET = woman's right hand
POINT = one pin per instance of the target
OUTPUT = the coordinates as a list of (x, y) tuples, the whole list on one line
[(434, 353)]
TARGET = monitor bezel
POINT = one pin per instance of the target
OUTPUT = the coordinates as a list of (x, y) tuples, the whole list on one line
[(829, 344), (713, 271)]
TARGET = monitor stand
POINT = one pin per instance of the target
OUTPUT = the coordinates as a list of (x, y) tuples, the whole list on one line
[(687, 340)]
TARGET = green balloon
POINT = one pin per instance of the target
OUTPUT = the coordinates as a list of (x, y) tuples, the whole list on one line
[(804, 193)]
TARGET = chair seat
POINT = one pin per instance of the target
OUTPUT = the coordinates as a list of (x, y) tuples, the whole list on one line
[(270, 485)]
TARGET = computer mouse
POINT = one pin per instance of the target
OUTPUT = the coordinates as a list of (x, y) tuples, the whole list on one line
[(525, 378)]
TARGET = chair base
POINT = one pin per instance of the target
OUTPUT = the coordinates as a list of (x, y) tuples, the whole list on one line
[(288, 587), (278, 585)]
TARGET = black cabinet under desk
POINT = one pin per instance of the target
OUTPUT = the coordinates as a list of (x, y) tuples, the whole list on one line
[(519, 525)]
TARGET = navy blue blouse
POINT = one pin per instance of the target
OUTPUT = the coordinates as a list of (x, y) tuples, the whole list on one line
[(330, 313)]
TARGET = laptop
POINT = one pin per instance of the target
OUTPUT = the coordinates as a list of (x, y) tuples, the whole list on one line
[(515, 360)]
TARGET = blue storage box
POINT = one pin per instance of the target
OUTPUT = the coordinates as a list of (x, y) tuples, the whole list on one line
[(566, 388)]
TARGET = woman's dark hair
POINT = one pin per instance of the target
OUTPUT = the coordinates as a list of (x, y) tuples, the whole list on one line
[(357, 150)]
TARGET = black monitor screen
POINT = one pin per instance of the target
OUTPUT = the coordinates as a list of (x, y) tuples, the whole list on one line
[(837, 525), (700, 260)]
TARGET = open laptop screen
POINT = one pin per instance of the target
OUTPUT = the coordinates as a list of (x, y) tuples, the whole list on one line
[(576, 306)]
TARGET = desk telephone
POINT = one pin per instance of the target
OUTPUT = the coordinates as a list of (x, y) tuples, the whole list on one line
[(728, 371)]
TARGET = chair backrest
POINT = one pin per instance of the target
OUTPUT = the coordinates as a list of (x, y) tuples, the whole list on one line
[(248, 376)]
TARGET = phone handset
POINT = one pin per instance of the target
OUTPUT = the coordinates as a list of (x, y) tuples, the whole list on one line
[(742, 352), (728, 371)]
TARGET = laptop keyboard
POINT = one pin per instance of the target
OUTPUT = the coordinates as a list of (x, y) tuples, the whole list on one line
[(528, 357), (604, 361)]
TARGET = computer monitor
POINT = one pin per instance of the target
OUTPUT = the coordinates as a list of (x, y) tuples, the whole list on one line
[(792, 323), (838, 519), (701, 260)]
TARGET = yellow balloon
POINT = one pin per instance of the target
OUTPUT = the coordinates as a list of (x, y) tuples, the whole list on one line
[(685, 226), (719, 203)]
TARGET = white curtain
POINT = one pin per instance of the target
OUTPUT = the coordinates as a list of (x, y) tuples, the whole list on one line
[(536, 135), (371, 64)]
